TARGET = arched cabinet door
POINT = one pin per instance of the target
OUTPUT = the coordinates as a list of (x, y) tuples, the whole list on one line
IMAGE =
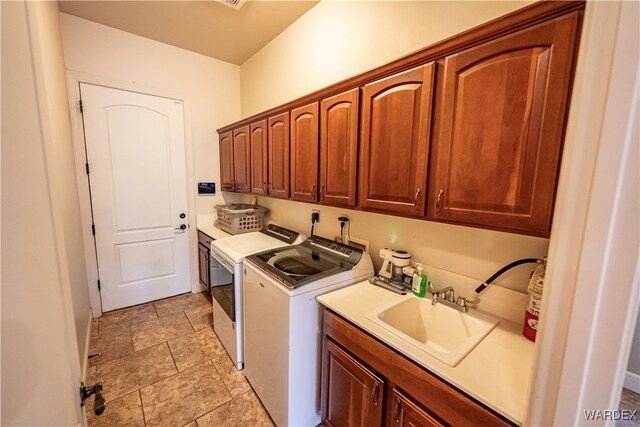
[(278, 157), (499, 129), (395, 133), (226, 161), (304, 153), (339, 148), (241, 159), (259, 168)]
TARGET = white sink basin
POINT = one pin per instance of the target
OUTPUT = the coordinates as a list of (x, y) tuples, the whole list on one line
[(443, 332)]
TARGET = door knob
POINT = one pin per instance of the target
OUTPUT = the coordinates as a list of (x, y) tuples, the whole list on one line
[(182, 227)]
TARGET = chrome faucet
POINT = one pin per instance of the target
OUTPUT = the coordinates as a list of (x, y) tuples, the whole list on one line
[(447, 297)]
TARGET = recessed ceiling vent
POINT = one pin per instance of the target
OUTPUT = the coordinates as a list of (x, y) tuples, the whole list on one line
[(234, 4)]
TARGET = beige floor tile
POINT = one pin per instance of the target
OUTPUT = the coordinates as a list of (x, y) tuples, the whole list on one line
[(629, 401), (148, 334), (125, 411), (234, 380), (113, 343), (127, 317), (200, 317), (244, 410), (182, 303), (182, 398), (126, 374), (196, 348), (191, 424)]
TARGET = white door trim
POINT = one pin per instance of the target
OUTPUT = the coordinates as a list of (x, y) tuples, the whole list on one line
[(591, 299), (74, 78)]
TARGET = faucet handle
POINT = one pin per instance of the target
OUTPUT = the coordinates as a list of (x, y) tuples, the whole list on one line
[(451, 296), (461, 302)]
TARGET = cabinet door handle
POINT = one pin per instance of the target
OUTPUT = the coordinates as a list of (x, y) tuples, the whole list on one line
[(313, 189), (322, 191), (439, 202), (374, 392), (396, 410), (416, 199)]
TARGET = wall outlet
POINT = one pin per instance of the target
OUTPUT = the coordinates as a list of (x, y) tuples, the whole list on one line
[(317, 212)]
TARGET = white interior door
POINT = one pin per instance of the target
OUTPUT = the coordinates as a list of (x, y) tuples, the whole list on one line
[(135, 151)]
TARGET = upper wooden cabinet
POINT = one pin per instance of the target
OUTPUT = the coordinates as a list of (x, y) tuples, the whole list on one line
[(466, 131), (500, 125), (241, 159), (395, 132), (278, 169), (304, 153), (339, 148), (226, 161), (259, 168)]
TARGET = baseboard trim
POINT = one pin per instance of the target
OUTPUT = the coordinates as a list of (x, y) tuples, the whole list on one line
[(87, 342), (632, 382)]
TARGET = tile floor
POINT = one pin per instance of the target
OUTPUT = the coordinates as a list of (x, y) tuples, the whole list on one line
[(630, 401), (161, 364)]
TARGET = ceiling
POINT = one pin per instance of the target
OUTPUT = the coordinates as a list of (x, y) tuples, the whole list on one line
[(205, 27)]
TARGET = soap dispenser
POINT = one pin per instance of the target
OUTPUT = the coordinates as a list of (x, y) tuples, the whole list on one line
[(419, 282)]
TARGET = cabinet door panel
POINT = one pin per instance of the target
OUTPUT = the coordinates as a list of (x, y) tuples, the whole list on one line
[(396, 123), (339, 148), (259, 157), (352, 395), (226, 161), (501, 127), (278, 170), (241, 159), (203, 264), (404, 412), (304, 153)]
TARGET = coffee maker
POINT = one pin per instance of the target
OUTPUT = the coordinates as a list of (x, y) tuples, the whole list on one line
[(393, 262)]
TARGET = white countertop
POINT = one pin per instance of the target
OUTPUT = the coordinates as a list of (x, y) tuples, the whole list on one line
[(205, 223), (497, 372)]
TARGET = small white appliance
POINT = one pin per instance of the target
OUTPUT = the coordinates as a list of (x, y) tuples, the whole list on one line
[(393, 262), (283, 322), (227, 255)]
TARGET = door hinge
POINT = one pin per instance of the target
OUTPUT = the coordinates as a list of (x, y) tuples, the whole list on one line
[(93, 229), (86, 167), (99, 288), (80, 105)]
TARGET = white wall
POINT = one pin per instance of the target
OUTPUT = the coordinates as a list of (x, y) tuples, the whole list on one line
[(51, 61), (44, 298), (209, 88), (337, 39), (634, 357)]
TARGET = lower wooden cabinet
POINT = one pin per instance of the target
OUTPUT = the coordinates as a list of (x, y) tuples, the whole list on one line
[(204, 243), (367, 383), (352, 394), (406, 412)]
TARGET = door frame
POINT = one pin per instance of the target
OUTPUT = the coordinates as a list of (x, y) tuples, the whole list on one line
[(591, 304), (74, 78)]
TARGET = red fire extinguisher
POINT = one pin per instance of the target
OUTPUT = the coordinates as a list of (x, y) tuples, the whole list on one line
[(532, 312)]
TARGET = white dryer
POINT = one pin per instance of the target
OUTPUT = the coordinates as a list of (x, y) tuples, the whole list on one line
[(226, 281)]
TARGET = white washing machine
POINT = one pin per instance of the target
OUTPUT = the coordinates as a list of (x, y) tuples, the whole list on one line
[(226, 281), (283, 322)]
